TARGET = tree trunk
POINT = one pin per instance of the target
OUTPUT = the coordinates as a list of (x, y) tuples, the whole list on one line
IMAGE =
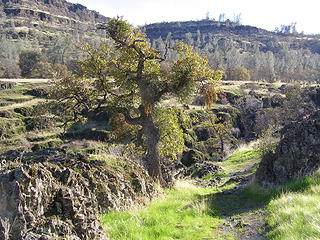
[(221, 148), (152, 135)]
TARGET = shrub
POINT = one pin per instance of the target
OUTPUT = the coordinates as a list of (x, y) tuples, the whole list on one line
[(9, 69), (28, 60), (239, 73)]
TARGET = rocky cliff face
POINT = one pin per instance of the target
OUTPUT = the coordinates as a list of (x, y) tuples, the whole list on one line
[(29, 19), (245, 37), (59, 8), (57, 195), (297, 154), (179, 29)]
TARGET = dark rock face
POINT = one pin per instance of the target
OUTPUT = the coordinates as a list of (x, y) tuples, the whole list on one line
[(317, 97), (201, 169), (5, 114), (314, 95), (172, 172), (266, 102), (203, 133), (38, 92), (189, 158), (57, 195), (277, 100), (33, 197), (7, 85), (297, 155), (249, 106)]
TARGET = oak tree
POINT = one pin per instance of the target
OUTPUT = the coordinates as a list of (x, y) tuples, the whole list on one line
[(132, 77)]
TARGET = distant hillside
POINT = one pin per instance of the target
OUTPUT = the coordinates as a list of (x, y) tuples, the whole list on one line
[(179, 29), (245, 52), (54, 29), (228, 29), (24, 19)]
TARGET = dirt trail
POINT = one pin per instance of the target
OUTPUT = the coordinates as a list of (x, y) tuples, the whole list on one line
[(245, 219)]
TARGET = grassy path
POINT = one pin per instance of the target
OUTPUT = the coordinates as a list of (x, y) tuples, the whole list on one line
[(192, 212), (244, 217), (237, 209)]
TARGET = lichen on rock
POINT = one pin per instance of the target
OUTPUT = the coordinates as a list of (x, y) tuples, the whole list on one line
[(57, 195), (297, 154)]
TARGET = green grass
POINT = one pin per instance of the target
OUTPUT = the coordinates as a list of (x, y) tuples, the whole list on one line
[(295, 213), (295, 216), (260, 194), (241, 160), (182, 213), (111, 160), (293, 208)]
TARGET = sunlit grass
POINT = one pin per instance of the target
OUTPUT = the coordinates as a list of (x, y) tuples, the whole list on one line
[(181, 213), (296, 215), (241, 160), (292, 208)]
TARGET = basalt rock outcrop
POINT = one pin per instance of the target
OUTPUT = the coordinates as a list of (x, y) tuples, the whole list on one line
[(297, 154), (249, 107), (57, 195), (7, 85), (42, 19)]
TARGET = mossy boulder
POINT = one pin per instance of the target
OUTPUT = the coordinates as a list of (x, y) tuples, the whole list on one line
[(89, 134), (10, 127), (40, 122), (191, 156), (52, 143), (277, 100), (38, 92)]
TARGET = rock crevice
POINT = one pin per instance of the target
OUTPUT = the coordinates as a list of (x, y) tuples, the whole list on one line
[(57, 195), (297, 154)]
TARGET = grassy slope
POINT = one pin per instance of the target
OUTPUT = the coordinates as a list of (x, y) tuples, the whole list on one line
[(290, 211), (14, 132), (241, 161), (181, 213), (185, 212), (295, 214)]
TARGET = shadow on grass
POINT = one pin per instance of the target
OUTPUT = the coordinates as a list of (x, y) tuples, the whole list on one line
[(254, 197), (244, 208)]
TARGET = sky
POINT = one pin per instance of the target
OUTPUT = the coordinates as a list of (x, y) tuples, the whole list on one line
[(266, 14)]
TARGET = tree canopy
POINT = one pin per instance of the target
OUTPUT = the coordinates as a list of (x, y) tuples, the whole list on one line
[(132, 77), (28, 60)]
